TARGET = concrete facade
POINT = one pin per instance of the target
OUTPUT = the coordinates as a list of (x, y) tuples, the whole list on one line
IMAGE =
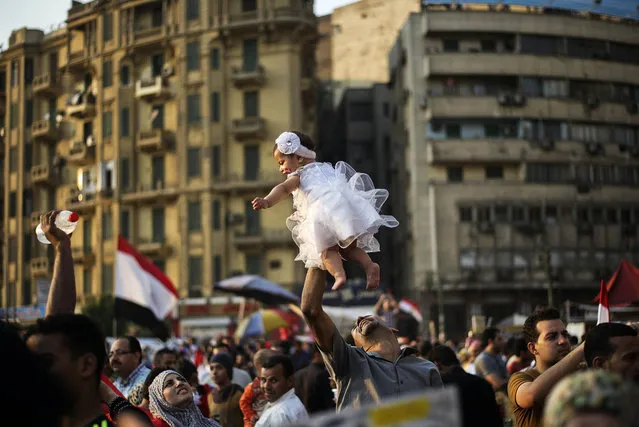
[(515, 158), (155, 120)]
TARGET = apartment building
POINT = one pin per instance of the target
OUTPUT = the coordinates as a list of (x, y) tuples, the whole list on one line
[(515, 155), (155, 120)]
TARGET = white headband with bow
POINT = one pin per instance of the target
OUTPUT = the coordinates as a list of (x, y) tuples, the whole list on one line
[(289, 143)]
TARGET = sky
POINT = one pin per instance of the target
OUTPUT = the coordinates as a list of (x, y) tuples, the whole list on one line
[(47, 13)]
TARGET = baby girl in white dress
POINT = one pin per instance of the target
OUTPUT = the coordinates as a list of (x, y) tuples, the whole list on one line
[(336, 209)]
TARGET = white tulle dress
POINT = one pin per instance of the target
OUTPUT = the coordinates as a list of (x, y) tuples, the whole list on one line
[(335, 206)]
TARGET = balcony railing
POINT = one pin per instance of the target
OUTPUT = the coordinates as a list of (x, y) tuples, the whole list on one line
[(237, 182), (81, 153), (40, 267), (45, 130), (281, 15), (84, 256), (248, 77), (81, 105), (147, 33), (153, 89), (41, 174), (154, 247), (80, 201), (155, 140), (45, 85), (147, 193), (249, 128)]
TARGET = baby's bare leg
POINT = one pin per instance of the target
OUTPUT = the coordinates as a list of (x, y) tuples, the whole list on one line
[(353, 253), (333, 263)]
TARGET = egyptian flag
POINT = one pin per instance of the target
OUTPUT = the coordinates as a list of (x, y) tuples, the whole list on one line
[(411, 307), (143, 294), (603, 315)]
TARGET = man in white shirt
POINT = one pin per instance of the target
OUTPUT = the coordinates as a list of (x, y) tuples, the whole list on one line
[(277, 381)]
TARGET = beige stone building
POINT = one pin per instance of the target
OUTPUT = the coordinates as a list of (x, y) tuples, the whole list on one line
[(516, 157), (363, 33), (155, 120)]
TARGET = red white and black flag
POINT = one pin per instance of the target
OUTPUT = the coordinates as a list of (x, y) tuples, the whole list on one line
[(143, 293)]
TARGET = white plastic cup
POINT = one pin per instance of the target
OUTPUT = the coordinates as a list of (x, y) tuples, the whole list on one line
[(66, 221)]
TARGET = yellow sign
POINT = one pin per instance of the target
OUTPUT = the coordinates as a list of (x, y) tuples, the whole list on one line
[(398, 413)]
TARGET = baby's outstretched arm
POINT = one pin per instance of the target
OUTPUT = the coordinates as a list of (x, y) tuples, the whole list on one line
[(278, 193)]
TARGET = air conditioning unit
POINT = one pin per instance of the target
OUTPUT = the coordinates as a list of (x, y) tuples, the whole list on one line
[(168, 70), (594, 148), (504, 98), (547, 143), (519, 99), (591, 102)]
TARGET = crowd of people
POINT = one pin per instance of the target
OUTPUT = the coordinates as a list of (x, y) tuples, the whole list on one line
[(61, 373)]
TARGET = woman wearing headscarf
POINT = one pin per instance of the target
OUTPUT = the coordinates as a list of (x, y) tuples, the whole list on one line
[(171, 399), (224, 400)]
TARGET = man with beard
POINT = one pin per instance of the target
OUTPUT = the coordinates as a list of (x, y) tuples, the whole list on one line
[(376, 367), (613, 347), (549, 342)]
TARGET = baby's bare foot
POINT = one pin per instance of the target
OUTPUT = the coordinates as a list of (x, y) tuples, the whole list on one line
[(339, 282), (372, 276)]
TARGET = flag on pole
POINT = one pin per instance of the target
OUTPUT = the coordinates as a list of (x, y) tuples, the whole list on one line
[(411, 307), (143, 293), (603, 316)]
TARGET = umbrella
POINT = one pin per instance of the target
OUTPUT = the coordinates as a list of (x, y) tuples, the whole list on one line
[(264, 321), (258, 288)]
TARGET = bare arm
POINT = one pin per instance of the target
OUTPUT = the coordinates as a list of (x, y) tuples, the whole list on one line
[(279, 192), (318, 321), (536, 391), (62, 292)]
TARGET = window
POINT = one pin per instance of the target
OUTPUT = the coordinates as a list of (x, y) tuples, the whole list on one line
[(124, 75), (107, 124), (28, 71), (125, 179), (27, 245), (195, 216), (13, 159), (217, 220), (249, 55), (156, 17), (216, 161), (15, 78), (251, 104), (252, 218), (193, 109), (157, 62), (86, 281), (215, 107), (251, 162), (494, 172), (158, 117), (193, 56), (125, 224), (13, 116), (160, 264), (455, 174), (253, 264), (195, 277), (87, 237), (157, 171), (450, 45), (217, 268), (124, 122), (107, 279), (465, 214), (548, 173), (27, 292), (107, 225), (453, 130), (107, 74), (215, 58), (194, 162), (28, 156), (13, 200), (192, 9), (249, 5), (107, 27), (360, 112), (157, 224), (542, 45), (27, 202), (13, 249)]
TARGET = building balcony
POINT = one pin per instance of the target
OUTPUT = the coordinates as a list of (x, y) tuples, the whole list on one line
[(155, 141), (265, 238), (249, 128), (152, 90), (156, 248), (83, 256), (481, 151), (287, 15), (35, 219), (81, 153), (40, 267), (236, 183), (148, 34), (148, 193), (541, 108), (45, 85), (44, 130), (42, 175), (80, 201), (81, 105), (245, 77)]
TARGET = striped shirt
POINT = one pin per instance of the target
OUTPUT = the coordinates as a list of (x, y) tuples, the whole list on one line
[(136, 377)]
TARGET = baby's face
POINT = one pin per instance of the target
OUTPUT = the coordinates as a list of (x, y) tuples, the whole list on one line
[(288, 163)]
